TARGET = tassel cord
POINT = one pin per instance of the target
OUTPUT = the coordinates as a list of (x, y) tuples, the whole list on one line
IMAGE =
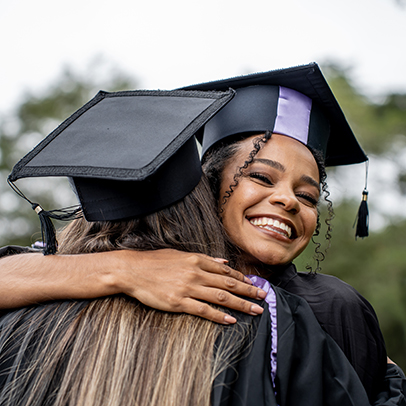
[(47, 227)]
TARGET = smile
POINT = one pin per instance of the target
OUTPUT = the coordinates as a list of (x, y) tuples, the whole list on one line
[(272, 225)]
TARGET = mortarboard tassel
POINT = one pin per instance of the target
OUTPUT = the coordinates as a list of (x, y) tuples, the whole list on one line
[(47, 227), (47, 230), (362, 219)]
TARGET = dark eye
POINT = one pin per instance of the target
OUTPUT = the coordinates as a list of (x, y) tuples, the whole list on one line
[(308, 198), (260, 177)]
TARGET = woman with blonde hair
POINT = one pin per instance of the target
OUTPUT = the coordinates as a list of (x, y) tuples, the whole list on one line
[(116, 351)]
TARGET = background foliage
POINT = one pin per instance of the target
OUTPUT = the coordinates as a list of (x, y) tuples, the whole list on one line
[(376, 266)]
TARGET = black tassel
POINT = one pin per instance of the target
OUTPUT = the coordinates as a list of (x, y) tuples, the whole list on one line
[(362, 219), (48, 228)]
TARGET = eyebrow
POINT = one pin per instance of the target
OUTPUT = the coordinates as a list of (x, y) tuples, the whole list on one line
[(310, 181), (278, 166), (269, 162)]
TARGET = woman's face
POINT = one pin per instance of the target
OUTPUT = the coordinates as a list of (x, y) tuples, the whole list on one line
[(272, 213)]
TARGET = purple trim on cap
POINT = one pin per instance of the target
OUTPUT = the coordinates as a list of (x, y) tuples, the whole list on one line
[(271, 300), (293, 115)]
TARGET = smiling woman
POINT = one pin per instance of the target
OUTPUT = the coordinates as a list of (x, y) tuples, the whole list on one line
[(277, 177)]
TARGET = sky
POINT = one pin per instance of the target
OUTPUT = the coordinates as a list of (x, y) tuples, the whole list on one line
[(168, 44)]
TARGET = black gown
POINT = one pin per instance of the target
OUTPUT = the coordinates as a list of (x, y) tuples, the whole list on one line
[(346, 316), (311, 368)]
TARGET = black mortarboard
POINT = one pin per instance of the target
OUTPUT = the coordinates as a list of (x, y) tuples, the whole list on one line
[(129, 153), (296, 102)]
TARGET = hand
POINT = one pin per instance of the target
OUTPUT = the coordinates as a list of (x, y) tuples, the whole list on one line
[(177, 281), (390, 361)]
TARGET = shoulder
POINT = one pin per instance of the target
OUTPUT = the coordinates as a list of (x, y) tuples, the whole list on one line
[(323, 280), (330, 288), (317, 287), (339, 308)]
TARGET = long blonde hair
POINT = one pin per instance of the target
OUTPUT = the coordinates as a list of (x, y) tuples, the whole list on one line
[(115, 350)]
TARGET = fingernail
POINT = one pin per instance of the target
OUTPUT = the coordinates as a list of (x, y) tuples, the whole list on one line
[(229, 319), (248, 280), (255, 309), (261, 294), (221, 260)]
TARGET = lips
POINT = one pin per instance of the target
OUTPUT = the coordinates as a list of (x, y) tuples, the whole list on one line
[(271, 224)]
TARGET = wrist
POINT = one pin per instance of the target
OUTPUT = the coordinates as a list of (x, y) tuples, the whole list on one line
[(119, 271)]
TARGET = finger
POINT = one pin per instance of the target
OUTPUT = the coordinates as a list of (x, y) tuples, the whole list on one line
[(195, 280), (221, 260), (240, 288), (200, 309), (212, 266), (227, 299)]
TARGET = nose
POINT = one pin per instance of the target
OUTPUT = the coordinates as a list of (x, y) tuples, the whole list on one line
[(286, 198)]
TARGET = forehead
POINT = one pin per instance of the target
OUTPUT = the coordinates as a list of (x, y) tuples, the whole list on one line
[(290, 153)]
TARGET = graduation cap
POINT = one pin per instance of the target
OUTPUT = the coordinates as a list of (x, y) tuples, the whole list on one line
[(296, 102), (127, 153)]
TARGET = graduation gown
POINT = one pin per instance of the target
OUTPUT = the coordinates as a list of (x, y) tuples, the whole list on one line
[(307, 368), (346, 316)]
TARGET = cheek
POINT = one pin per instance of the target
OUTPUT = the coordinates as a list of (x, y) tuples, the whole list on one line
[(311, 223), (231, 212), (242, 198), (233, 216)]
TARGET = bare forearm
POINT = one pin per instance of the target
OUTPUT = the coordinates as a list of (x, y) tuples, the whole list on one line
[(167, 280), (33, 278)]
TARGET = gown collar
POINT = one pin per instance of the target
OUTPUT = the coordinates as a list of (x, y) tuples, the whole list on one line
[(283, 275)]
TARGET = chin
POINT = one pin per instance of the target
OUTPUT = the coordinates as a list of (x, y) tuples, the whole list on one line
[(274, 259), (276, 262), (269, 254)]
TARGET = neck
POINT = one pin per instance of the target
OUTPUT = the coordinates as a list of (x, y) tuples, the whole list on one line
[(263, 270)]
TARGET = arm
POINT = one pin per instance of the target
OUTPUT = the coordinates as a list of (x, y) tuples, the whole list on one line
[(167, 280), (393, 389)]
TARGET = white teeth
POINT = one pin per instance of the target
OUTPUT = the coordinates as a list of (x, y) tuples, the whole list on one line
[(264, 222)]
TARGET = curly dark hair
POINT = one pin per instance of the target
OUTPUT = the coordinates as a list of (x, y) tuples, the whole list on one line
[(220, 155)]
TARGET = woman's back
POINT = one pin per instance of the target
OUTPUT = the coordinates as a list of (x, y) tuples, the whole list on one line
[(110, 351)]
